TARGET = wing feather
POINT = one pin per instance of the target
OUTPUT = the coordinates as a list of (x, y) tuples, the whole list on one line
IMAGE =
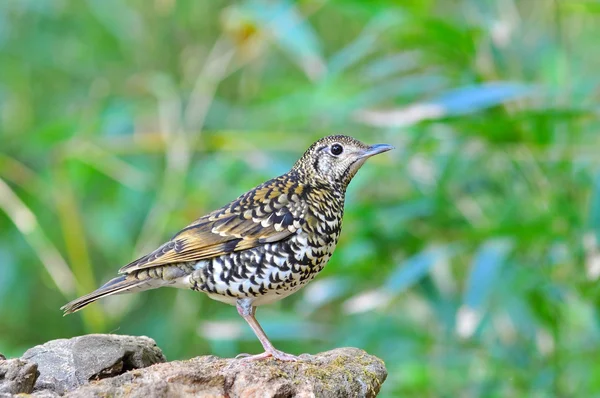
[(269, 213)]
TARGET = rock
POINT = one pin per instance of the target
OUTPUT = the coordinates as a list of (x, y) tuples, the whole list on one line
[(66, 364), (43, 394), (125, 366), (344, 372), (17, 376)]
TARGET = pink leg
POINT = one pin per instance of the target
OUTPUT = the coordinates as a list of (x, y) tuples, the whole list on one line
[(246, 310)]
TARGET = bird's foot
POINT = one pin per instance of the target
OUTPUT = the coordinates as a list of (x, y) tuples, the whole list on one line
[(282, 356)]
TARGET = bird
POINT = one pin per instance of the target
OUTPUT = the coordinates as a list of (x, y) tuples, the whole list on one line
[(259, 248)]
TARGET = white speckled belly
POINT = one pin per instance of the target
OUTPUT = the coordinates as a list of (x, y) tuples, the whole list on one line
[(267, 273)]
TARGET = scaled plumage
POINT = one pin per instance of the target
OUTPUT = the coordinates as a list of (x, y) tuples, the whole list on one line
[(261, 247)]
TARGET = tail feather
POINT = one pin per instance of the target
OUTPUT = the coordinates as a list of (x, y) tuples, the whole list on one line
[(115, 286)]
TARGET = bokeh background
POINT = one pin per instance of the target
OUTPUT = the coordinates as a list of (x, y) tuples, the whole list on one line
[(469, 257)]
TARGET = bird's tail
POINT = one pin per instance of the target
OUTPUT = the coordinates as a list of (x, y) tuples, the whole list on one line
[(116, 285)]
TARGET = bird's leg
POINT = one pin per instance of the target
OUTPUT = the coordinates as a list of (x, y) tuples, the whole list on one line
[(246, 310)]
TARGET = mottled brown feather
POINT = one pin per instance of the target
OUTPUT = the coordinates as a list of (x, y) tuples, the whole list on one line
[(269, 213)]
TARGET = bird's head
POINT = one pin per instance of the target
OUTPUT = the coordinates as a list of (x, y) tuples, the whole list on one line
[(335, 159)]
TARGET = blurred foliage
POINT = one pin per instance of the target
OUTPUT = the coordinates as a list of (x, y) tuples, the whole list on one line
[(469, 258)]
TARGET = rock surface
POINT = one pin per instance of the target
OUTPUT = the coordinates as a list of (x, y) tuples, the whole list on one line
[(344, 372), (64, 365), (17, 376), (126, 366)]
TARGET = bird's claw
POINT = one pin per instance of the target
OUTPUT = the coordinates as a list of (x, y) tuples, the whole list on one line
[(243, 355), (280, 355)]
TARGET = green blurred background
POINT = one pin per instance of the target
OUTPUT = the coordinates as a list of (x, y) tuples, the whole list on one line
[(469, 257)]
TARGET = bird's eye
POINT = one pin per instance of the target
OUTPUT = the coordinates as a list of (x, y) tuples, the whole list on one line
[(336, 149)]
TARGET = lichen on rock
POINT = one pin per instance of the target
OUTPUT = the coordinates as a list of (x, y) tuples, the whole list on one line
[(344, 372)]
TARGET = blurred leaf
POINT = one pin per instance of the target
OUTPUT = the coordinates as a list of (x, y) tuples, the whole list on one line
[(414, 269), (119, 19), (452, 103), (408, 86), (364, 44), (594, 213), (474, 98), (7, 272), (582, 6), (389, 65), (484, 271), (395, 217), (27, 224), (293, 33), (117, 119)]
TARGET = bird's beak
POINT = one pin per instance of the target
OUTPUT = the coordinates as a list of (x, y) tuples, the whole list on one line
[(375, 150)]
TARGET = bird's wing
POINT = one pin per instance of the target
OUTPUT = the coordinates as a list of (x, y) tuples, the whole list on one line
[(269, 213)]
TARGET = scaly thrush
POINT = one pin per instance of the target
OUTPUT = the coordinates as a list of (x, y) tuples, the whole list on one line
[(261, 247)]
